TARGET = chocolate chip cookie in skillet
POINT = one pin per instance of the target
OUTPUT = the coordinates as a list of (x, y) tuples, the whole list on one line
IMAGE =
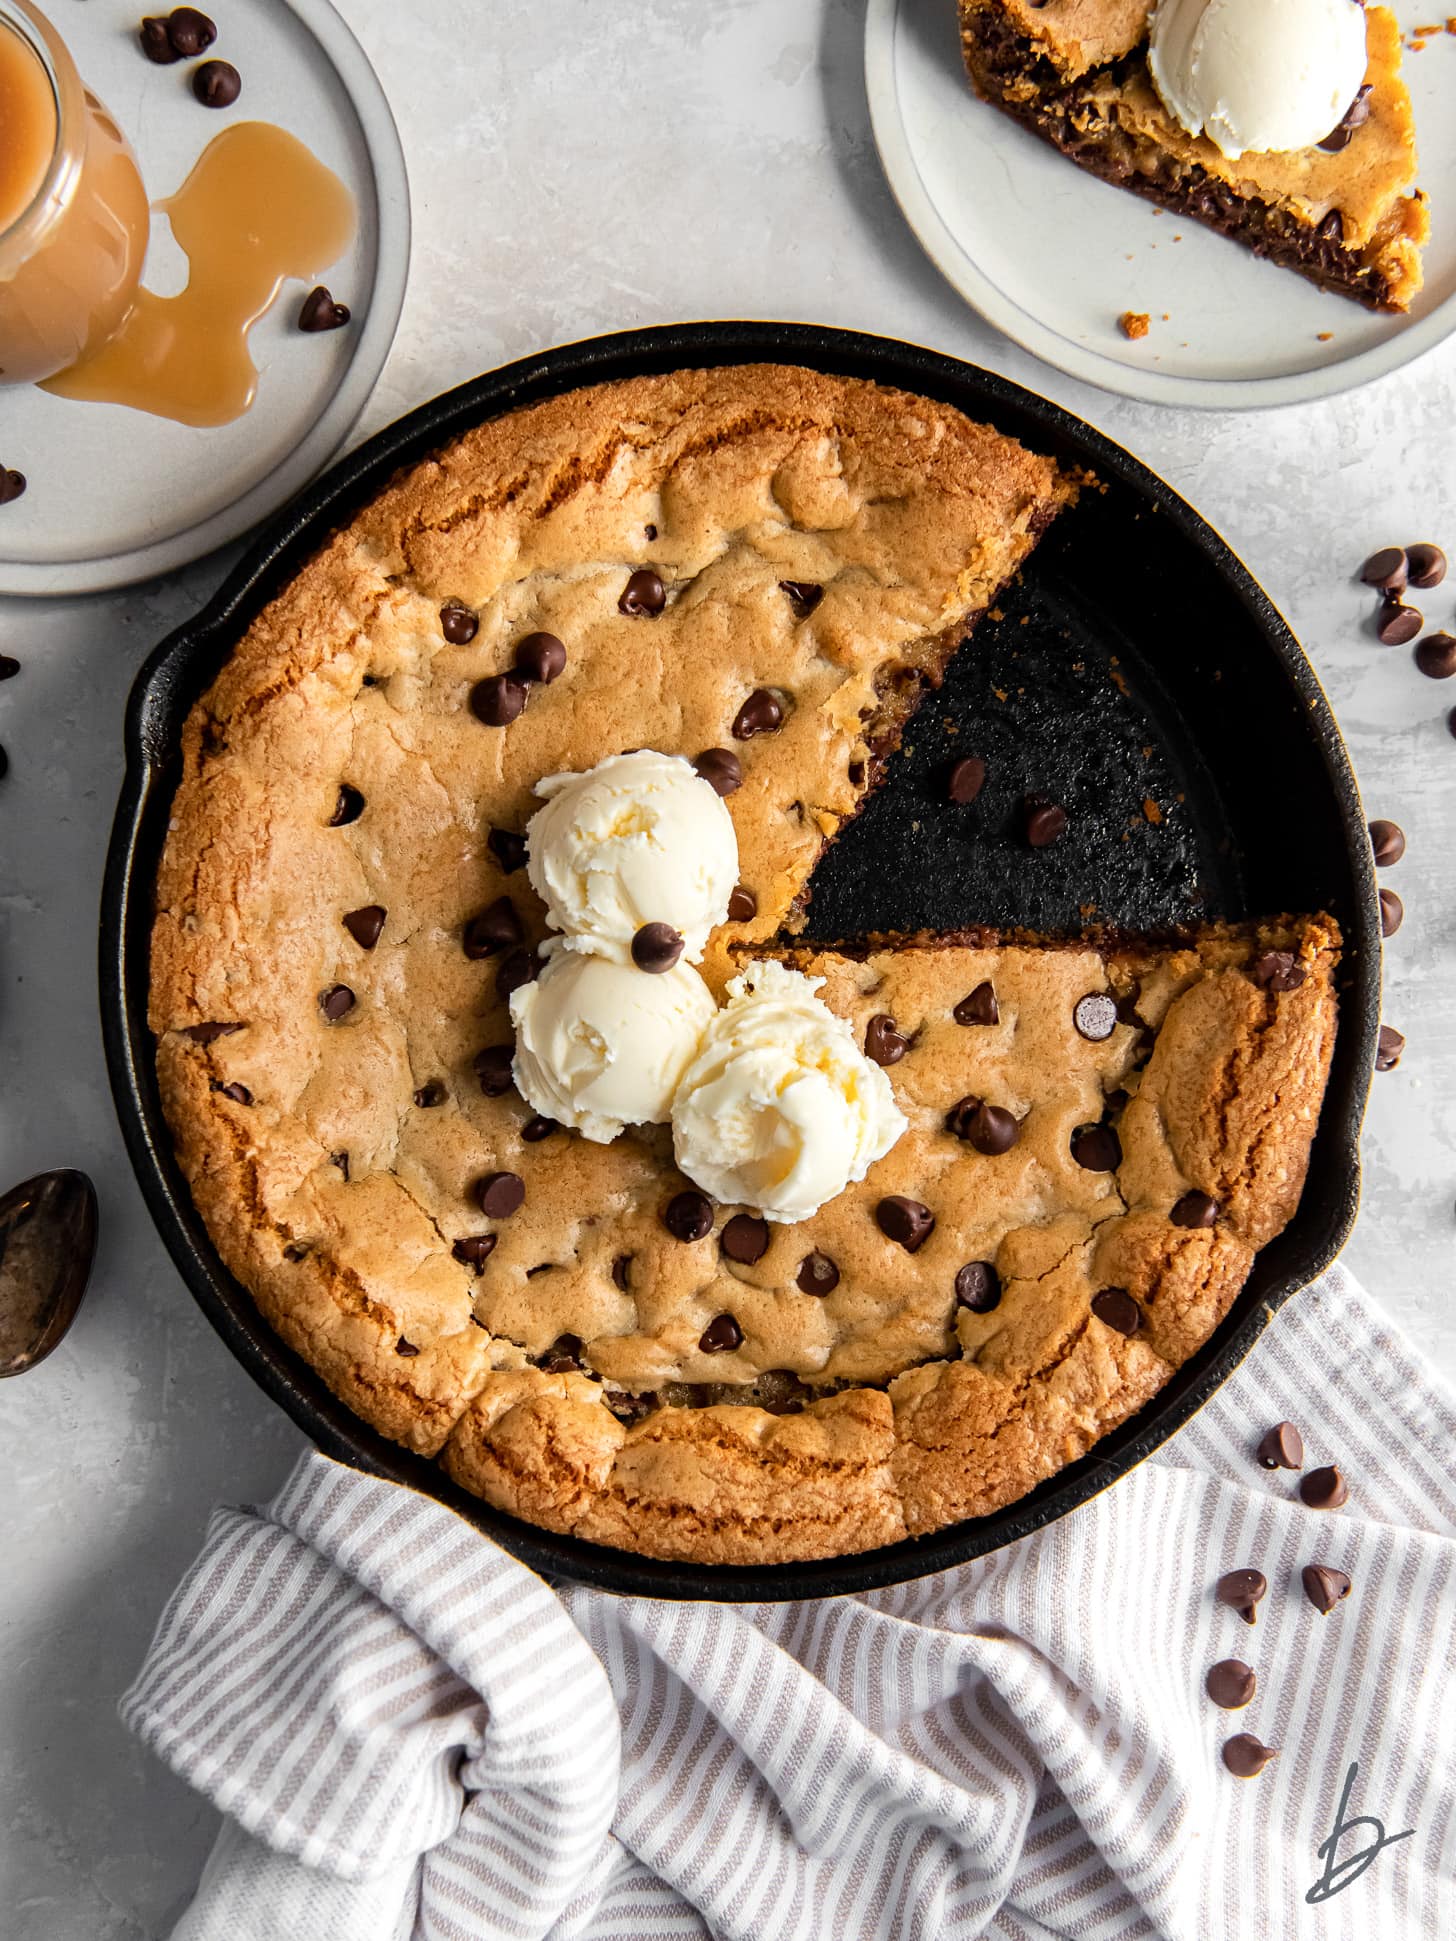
[(1054, 1161)]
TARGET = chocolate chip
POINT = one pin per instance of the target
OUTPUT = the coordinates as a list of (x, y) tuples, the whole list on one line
[(742, 905), (239, 1094), (337, 1002), (518, 967), (1355, 116), (906, 1222), (499, 1195), (1230, 1683), (1116, 1307), (498, 699), (620, 1267), (1324, 1586), (1388, 1047), (1046, 822), (688, 1216), (978, 1287), (721, 1335), (508, 848), (493, 1069), (804, 596), (9, 667), (217, 84), (643, 593), (1195, 1209), (1095, 1016), (341, 1160), (1332, 229), (563, 1357), (721, 769), (631, 1408), (966, 780), (650, 532), (744, 1238), (537, 1128), (1277, 970), (1396, 624), (495, 928), (656, 948), (459, 623), (348, 808), (1451, 722), (1281, 1447), (817, 1274), (432, 1092), (1324, 1489), (475, 1250), (1426, 564), (540, 657), (157, 42), (190, 32), (1096, 1149), (403, 1347), (1241, 1590), (1387, 840), (365, 925), (990, 1129), (319, 311), (12, 485), (1436, 656), (761, 714), (1392, 913), (979, 1008), (883, 1043), (1245, 1756), (206, 1034)]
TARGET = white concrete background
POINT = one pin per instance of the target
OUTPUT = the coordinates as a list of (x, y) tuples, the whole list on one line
[(581, 166)]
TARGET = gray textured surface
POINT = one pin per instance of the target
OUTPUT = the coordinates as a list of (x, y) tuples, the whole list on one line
[(595, 167)]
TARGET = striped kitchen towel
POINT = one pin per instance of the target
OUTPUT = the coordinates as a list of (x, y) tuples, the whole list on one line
[(413, 1738)]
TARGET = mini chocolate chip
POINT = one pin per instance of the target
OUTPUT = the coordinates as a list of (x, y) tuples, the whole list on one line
[(721, 1335), (978, 1287), (1426, 564), (239, 1094), (1277, 970), (1392, 913), (563, 1357), (493, 1069), (650, 532), (1046, 822), (403, 1347), (631, 1408), (656, 948), (432, 1092), (498, 699), (744, 1238), (495, 928), (337, 1002), (206, 1034), (341, 1160), (9, 667), (320, 312), (1388, 1047), (643, 593), (1095, 1016), (365, 925), (1245, 1756), (508, 848), (1116, 1307), (1396, 624), (761, 714), (742, 905), (475, 1250), (348, 808), (1355, 116), (622, 1264), (979, 1008), (966, 780), (1332, 229), (190, 31), (540, 658), (12, 485), (459, 623), (516, 968), (1387, 841), (1230, 1683), (883, 1043), (1096, 1149), (688, 1216), (1436, 656), (157, 42), (1195, 1209), (721, 769), (1324, 1586), (804, 596), (817, 1274), (1386, 570), (990, 1129), (1324, 1488), (217, 84), (1241, 1590), (499, 1195), (1281, 1447), (537, 1128), (906, 1222)]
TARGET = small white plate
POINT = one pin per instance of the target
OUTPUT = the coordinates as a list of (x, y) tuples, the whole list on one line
[(116, 495), (1054, 257)]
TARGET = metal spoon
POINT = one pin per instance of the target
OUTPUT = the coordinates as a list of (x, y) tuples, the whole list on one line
[(47, 1245)]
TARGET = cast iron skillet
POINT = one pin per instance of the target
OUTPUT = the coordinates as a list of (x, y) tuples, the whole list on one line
[(1137, 675)]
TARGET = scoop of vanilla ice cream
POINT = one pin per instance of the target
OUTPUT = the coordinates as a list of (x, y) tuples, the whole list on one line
[(1258, 74), (601, 1045), (781, 1110), (638, 839)]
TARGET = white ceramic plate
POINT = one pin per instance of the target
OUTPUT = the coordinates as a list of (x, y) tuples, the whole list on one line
[(1054, 257), (117, 495)]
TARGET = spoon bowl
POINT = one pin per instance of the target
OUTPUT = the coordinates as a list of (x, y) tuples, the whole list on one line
[(47, 1246)]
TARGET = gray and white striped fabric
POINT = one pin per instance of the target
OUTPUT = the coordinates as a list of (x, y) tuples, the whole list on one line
[(415, 1739)]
